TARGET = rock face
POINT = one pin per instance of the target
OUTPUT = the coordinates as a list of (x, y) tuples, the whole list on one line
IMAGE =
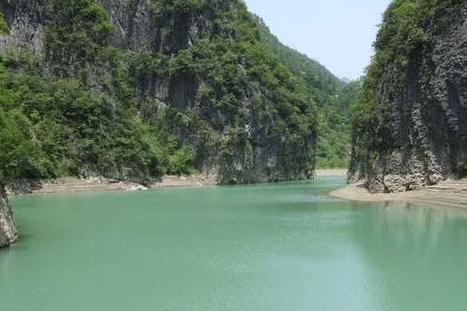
[(199, 73), (8, 233), (412, 127), (238, 145)]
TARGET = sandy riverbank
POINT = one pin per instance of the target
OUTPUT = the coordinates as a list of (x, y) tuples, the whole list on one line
[(331, 173), (73, 185), (186, 181), (447, 193)]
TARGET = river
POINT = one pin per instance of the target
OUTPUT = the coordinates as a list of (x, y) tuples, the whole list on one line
[(281, 247)]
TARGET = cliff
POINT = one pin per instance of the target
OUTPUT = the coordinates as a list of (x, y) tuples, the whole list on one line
[(8, 233), (136, 89), (410, 128)]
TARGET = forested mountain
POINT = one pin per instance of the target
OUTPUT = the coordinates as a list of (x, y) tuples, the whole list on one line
[(136, 89), (332, 96), (410, 127), (335, 126)]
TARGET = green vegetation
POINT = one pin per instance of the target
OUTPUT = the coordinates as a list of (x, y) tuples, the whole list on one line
[(318, 80), (332, 96), (335, 127), (90, 107), (78, 36), (19, 157), (3, 25), (403, 34), (235, 76), (69, 130), (57, 125)]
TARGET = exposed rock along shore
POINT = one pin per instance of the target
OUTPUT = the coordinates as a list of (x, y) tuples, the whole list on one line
[(74, 185), (8, 232), (451, 193)]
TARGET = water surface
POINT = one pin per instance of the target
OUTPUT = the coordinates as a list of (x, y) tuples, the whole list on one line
[(285, 247)]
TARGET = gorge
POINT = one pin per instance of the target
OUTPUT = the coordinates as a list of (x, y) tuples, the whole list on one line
[(133, 90), (177, 155), (184, 85)]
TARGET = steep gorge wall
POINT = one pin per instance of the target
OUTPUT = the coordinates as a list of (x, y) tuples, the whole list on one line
[(411, 128), (216, 100), (198, 73)]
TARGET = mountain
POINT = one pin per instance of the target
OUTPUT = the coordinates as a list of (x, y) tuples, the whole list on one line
[(136, 89), (332, 95), (410, 127)]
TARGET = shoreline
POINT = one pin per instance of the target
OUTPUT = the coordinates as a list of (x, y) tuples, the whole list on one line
[(451, 193), (76, 185), (334, 172)]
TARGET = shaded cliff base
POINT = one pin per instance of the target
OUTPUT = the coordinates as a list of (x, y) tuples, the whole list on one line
[(451, 193)]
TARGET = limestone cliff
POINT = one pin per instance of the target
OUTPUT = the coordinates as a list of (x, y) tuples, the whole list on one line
[(411, 127), (8, 233), (198, 74)]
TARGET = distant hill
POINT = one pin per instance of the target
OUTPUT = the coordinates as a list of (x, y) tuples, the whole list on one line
[(332, 95)]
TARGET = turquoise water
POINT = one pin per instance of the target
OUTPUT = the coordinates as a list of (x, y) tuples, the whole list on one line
[(285, 247)]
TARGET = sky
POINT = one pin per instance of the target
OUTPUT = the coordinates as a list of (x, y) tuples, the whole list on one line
[(337, 33)]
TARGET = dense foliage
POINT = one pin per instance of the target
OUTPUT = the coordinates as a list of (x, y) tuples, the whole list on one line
[(234, 85), (92, 106), (3, 24), (57, 125), (62, 128), (332, 96), (335, 127)]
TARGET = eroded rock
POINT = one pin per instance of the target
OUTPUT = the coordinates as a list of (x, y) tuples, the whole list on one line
[(8, 232)]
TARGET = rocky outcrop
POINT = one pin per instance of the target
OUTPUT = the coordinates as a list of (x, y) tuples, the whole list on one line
[(8, 233), (25, 23), (198, 72), (416, 134), (238, 147)]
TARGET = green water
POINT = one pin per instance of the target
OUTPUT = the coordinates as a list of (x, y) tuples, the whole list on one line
[(258, 248)]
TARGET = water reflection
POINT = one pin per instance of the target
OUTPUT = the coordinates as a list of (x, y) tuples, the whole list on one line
[(418, 254), (262, 248), (413, 223)]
